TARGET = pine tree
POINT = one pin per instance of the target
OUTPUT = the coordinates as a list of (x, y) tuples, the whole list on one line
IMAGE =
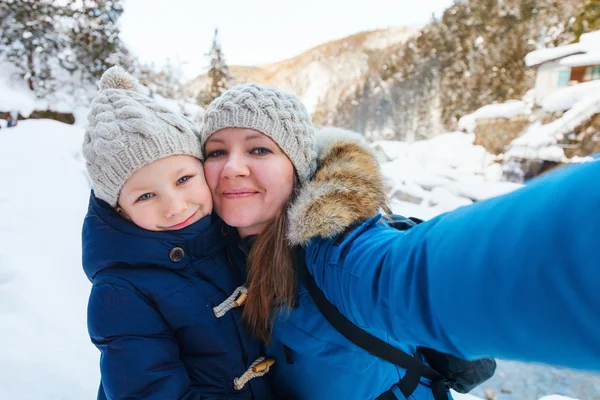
[(30, 39), (218, 74), (95, 37)]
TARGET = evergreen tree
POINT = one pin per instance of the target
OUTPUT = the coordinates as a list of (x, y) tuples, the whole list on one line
[(31, 39), (95, 37), (218, 74), (588, 19), (42, 39)]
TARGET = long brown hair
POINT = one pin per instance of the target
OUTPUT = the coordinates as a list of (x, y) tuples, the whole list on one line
[(272, 279)]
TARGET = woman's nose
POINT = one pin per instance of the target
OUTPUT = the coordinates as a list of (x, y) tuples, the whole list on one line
[(235, 167)]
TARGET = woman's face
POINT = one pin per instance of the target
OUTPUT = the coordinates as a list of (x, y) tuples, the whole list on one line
[(250, 178)]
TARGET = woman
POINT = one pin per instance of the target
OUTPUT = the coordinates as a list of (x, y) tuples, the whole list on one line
[(513, 277)]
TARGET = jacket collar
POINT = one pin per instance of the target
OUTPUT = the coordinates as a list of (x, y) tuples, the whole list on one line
[(348, 188), (109, 240)]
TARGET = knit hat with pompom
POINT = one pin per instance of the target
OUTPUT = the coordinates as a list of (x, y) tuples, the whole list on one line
[(127, 130)]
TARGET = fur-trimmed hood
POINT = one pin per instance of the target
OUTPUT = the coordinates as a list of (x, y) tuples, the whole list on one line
[(348, 187)]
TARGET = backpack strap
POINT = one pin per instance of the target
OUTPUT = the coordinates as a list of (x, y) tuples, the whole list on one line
[(415, 368)]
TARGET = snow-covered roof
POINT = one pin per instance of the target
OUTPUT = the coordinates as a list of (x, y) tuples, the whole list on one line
[(586, 50), (578, 60), (541, 56)]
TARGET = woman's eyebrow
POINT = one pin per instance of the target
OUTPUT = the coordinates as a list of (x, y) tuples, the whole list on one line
[(254, 136)]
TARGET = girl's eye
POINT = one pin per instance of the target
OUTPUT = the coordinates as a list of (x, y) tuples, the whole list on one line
[(145, 196), (215, 153), (183, 179), (261, 151)]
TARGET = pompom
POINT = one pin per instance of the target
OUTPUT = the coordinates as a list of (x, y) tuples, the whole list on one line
[(116, 78)]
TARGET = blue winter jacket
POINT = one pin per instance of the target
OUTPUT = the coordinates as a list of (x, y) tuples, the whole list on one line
[(515, 277), (150, 310)]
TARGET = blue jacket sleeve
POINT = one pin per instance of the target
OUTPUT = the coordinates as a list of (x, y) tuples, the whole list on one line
[(139, 354), (517, 276)]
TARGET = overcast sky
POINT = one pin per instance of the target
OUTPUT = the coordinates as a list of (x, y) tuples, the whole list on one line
[(255, 32)]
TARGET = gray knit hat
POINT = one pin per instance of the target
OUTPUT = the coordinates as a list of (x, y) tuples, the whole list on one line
[(277, 114), (127, 130)]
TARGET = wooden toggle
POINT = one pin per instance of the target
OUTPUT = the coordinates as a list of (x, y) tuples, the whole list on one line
[(261, 366)]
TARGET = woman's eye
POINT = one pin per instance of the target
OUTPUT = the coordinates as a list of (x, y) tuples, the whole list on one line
[(145, 196), (183, 179), (215, 153), (261, 151)]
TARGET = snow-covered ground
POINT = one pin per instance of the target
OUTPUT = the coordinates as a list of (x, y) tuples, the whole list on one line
[(46, 352), (427, 178), (539, 141), (508, 110)]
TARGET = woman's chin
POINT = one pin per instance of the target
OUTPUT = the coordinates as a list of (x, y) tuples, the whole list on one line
[(237, 221)]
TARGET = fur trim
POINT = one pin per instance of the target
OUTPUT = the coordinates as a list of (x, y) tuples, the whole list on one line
[(347, 188), (329, 135)]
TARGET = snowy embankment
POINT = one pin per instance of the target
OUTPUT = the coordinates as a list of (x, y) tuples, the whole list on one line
[(540, 141), (508, 110), (46, 352), (430, 177)]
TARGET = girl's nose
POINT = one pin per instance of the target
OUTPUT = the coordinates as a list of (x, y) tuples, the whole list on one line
[(175, 206)]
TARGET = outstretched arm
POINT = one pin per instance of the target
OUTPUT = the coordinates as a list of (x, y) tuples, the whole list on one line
[(516, 276)]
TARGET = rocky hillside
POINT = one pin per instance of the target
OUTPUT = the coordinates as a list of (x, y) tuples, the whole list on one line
[(327, 74)]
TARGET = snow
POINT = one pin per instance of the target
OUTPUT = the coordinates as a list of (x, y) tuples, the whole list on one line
[(539, 141), (509, 109), (193, 111), (15, 100), (429, 177), (391, 149), (588, 43), (316, 77), (71, 97), (43, 289), (16, 97), (565, 98), (556, 397), (544, 55), (386, 38), (592, 58)]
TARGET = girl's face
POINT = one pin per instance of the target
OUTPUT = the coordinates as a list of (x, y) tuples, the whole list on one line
[(250, 178), (167, 194)]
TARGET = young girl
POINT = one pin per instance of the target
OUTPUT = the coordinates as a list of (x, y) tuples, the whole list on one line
[(514, 277), (162, 305)]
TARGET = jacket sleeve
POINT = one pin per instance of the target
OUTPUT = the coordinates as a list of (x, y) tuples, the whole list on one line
[(139, 354), (516, 277)]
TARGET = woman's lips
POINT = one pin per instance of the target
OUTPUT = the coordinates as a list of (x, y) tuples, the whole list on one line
[(239, 193)]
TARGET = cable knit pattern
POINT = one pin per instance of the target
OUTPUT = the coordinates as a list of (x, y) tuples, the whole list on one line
[(127, 130), (277, 114)]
